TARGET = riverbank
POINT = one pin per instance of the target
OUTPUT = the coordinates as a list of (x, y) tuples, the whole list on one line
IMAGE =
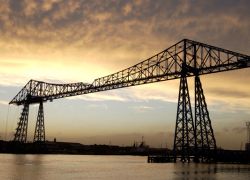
[(50, 147)]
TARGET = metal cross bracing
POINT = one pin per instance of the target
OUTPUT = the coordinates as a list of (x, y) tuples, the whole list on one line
[(37, 91), (205, 140), (182, 60), (39, 135), (184, 140), (167, 65), (22, 125)]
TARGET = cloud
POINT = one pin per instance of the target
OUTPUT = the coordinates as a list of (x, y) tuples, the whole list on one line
[(127, 9), (108, 96), (65, 10), (72, 41), (97, 23), (166, 92), (98, 106), (142, 109), (230, 93), (4, 102)]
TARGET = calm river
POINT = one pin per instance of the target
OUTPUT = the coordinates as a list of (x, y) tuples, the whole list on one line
[(62, 167)]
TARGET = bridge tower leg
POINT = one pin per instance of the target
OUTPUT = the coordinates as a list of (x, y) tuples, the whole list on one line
[(184, 140), (22, 125), (39, 135), (205, 140)]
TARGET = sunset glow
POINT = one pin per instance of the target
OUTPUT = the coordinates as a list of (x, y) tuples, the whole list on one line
[(63, 41)]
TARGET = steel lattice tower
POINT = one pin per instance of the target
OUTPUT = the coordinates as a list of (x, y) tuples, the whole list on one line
[(205, 140), (184, 140), (22, 125), (186, 58), (39, 135)]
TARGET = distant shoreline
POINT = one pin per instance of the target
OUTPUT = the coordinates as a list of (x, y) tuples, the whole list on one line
[(49, 147)]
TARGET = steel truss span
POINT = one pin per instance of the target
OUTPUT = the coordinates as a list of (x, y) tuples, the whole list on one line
[(194, 138), (195, 57)]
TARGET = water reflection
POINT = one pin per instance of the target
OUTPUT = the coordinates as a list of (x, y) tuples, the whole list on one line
[(210, 171), (27, 167), (64, 167), (195, 171)]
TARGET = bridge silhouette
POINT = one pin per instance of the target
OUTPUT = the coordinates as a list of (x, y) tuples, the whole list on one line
[(194, 136)]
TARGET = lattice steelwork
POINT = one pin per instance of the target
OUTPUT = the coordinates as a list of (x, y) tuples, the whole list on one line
[(194, 57), (22, 125), (40, 128), (205, 140), (184, 140), (37, 91), (166, 65)]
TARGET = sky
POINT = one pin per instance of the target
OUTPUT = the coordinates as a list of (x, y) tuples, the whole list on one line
[(63, 41)]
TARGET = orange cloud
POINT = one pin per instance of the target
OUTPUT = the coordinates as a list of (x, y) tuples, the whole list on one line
[(70, 41)]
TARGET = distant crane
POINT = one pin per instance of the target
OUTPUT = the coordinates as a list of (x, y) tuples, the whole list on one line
[(194, 136)]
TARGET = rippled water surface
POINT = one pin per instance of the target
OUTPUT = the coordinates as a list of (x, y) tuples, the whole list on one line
[(61, 167)]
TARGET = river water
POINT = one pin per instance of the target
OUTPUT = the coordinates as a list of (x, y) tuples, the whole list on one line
[(62, 167)]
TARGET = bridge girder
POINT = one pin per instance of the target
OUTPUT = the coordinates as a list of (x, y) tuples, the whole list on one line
[(184, 59), (199, 59)]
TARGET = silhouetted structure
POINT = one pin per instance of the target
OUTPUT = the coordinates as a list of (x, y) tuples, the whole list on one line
[(187, 58), (247, 146), (22, 125), (40, 129), (184, 140)]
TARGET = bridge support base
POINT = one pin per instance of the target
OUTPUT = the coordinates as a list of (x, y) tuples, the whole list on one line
[(193, 139), (205, 140), (184, 140), (22, 125), (39, 135)]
